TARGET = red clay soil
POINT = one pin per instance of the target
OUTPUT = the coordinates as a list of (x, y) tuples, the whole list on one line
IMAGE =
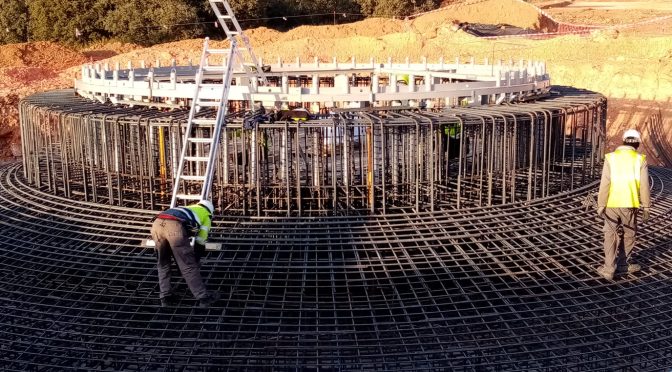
[(9, 125), (39, 54), (603, 12), (632, 66)]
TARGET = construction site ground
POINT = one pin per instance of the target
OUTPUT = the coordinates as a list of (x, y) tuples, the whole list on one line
[(629, 60)]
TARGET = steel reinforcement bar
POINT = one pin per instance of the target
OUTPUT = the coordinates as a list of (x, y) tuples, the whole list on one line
[(505, 287), (350, 161)]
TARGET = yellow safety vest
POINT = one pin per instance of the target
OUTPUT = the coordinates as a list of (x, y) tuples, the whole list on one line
[(625, 168), (452, 130), (204, 220)]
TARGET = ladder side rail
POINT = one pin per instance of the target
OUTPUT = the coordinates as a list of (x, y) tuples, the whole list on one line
[(260, 72), (220, 121), (190, 120), (239, 32), (246, 40), (250, 86), (221, 18)]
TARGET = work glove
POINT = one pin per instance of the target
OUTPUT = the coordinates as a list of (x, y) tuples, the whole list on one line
[(199, 250), (646, 213), (600, 211)]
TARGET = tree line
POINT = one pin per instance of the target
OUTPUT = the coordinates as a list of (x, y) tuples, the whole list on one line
[(147, 22)]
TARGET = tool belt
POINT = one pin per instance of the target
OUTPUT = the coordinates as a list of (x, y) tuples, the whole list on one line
[(191, 227), (165, 216)]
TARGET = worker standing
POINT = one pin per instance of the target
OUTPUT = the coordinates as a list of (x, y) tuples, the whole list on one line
[(172, 231), (624, 188)]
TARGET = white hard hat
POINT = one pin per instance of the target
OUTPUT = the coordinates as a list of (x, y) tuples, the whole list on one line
[(208, 205), (632, 134)]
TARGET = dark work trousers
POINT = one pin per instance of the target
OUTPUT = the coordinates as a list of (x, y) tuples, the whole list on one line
[(617, 252), (172, 241)]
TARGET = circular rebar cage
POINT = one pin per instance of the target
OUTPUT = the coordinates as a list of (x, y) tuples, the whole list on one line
[(351, 161), (502, 288), (460, 239)]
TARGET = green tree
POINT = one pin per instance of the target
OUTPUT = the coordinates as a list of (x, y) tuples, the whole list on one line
[(152, 21), (251, 10), (299, 12), (396, 8), (13, 21), (326, 8), (249, 13), (69, 21)]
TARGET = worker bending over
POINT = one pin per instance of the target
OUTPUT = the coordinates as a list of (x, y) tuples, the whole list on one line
[(624, 188), (172, 231)]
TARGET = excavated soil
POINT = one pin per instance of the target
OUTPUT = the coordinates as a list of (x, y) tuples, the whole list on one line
[(604, 12), (631, 65), (9, 126)]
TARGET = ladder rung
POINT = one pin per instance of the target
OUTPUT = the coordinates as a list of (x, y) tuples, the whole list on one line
[(209, 103), (193, 178), (204, 121), (196, 158), (214, 68), (199, 140), (188, 196), (218, 51), (227, 19)]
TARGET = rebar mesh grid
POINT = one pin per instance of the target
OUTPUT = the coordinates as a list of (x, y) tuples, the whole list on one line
[(359, 161), (506, 287)]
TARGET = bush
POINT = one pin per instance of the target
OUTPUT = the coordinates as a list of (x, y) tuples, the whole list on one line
[(69, 21), (149, 22), (396, 8), (312, 12), (13, 21)]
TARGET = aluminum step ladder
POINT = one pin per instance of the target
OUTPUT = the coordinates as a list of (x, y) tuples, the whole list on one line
[(233, 31), (193, 179)]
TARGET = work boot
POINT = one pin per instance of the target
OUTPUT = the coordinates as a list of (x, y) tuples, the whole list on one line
[(605, 273), (630, 268), (208, 300), (169, 301)]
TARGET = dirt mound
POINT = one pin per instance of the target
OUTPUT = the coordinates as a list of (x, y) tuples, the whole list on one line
[(9, 123), (652, 118), (372, 27), (25, 69), (33, 67), (25, 75), (512, 12), (41, 54), (375, 37), (627, 64), (108, 49), (182, 52), (654, 27), (601, 16)]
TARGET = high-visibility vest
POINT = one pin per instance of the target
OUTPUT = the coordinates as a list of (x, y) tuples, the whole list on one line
[(625, 165), (194, 217), (203, 219), (452, 130)]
